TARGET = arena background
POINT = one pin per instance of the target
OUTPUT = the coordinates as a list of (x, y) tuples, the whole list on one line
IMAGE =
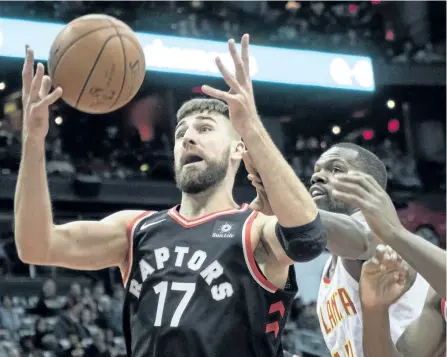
[(390, 97)]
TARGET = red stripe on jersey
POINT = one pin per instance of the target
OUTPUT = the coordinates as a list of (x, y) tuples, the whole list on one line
[(130, 232), (249, 255), (189, 223), (443, 309), (326, 280)]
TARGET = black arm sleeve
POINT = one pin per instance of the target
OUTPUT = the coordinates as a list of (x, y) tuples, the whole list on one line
[(303, 243)]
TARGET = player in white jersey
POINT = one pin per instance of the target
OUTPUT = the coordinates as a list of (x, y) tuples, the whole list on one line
[(338, 305), (351, 243), (383, 281), (379, 288)]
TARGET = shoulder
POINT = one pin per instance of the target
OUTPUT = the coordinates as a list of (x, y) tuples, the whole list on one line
[(126, 219)]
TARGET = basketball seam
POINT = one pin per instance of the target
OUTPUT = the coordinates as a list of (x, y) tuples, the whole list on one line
[(125, 65), (73, 43), (93, 68)]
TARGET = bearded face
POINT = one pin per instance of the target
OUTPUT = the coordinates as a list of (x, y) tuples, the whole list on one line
[(195, 174)]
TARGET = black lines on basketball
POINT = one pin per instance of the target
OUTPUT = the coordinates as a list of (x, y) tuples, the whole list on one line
[(125, 65), (93, 67), (85, 61), (71, 44)]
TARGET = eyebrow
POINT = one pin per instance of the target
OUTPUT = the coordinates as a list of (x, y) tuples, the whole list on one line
[(202, 117), (330, 161)]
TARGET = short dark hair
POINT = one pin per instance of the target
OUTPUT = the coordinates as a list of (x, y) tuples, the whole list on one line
[(368, 162), (200, 105)]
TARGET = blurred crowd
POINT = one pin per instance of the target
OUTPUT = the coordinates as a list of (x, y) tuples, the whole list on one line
[(356, 26), (86, 322)]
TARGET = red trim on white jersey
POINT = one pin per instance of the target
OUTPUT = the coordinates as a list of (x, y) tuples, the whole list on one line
[(443, 308), (189, 223), (130, 232), (249, 255)]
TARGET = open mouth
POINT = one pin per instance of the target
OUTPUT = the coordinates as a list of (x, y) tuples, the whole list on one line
[(192, 160), (316, 193)]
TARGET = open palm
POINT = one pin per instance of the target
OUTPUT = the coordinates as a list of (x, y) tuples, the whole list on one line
[(384, 279)]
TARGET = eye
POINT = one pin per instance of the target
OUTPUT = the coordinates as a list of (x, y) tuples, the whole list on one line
[(205, 129), (336, 170), (180, 135)]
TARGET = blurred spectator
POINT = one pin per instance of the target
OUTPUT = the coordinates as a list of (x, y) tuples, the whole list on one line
[(69, 323), (99, 347), (49, 304), (9, 317), (75, 295)]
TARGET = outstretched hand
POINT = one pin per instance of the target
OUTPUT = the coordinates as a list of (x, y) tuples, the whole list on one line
[(384, 279), (240, 98), (363, 191), (36, 97)]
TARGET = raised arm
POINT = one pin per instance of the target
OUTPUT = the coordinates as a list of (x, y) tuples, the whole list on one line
[(364, 192), (77, 245), (295, 233)]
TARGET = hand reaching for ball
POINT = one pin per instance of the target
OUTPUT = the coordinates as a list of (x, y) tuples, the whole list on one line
[(36, 97)]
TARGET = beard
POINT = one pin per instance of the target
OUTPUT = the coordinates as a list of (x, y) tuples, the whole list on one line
[(194, 180), (328, 203)]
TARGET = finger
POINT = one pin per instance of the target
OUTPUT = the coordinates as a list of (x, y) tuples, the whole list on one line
[(244, 53), (45, 87), (36, 83), (259, 187), (227, 76), (238, 64), (27, 72), (353, 200), (380, 252), (353, 187), (357, 178), (216, 93), (368, 178), (254, 178), (51, 98)]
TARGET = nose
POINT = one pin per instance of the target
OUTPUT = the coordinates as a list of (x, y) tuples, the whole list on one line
[(189, 138), (318, 177)]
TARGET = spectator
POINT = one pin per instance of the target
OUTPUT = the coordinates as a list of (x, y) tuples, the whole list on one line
[(49, 304), (69, 323), (9, 318), (28, 348), (99, 347), (106, 318), (75, 295)]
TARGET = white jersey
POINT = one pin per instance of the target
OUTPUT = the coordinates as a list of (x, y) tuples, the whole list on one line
[(340, 315)]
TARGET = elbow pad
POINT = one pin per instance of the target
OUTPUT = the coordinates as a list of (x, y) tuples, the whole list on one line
[(303, 243)]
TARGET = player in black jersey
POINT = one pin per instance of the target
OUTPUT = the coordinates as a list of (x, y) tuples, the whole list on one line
[(206, 278)]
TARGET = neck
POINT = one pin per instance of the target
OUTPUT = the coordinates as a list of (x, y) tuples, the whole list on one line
[(215, 199)]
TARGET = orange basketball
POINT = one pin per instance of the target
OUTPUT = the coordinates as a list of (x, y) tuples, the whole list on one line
[(98, 62)]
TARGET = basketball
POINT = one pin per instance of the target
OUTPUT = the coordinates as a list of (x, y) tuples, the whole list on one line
[(98, 62)]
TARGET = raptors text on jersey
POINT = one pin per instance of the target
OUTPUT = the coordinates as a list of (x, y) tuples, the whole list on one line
[(194, 289)]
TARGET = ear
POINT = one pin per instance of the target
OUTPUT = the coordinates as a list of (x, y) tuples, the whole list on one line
[(237, 150)]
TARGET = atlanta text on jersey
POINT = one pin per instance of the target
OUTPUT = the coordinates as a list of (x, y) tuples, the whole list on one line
[(337, 307), (182, 257)]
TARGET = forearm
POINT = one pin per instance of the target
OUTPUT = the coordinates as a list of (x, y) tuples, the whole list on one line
[(347, 238), (376, 334), (424, 257), (33, 218), (290, 201)]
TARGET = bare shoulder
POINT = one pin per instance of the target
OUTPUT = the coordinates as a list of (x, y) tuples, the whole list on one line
[(124, 217)]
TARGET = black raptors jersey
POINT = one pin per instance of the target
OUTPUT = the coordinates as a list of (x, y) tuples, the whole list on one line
[(193, 289)]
